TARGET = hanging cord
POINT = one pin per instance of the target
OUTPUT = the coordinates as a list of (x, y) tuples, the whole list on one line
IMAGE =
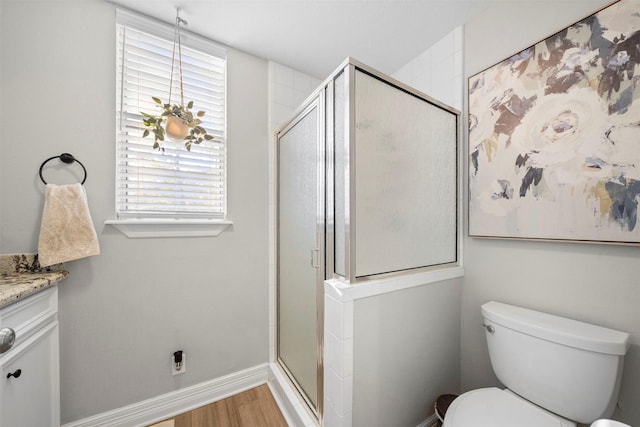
[(176, 38)]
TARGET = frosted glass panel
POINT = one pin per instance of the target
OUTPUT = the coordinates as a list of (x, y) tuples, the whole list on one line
[(405, 178), (341, 162), (298, 219)]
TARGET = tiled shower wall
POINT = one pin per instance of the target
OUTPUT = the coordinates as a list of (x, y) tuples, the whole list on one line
[(287, 89), (438, 70)]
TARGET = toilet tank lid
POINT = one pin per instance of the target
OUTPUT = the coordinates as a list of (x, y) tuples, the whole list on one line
[(557, 329)]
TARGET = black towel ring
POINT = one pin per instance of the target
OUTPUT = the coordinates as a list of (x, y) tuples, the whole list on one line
[(65, 158)]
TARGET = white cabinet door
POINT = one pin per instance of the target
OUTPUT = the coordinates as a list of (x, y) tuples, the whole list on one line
[(29, 394)]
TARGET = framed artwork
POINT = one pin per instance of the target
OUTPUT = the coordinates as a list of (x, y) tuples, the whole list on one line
[(554, 135)]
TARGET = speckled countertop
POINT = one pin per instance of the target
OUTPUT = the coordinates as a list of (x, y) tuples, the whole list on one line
[(21, 276)]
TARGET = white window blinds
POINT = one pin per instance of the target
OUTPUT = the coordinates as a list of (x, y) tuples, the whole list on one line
[(174, 183)]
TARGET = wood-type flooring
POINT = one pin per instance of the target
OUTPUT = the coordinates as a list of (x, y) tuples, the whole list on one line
[(252, 408)]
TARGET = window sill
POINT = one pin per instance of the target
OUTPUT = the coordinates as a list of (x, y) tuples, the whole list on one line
[(148, 228)]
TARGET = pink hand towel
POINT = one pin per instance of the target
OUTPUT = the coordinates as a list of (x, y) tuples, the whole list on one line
[(66, 230)]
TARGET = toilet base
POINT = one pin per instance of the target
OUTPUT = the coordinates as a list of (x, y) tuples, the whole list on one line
[(442, 404)]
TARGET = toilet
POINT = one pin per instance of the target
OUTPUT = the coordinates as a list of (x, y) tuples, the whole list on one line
[(557, 372)]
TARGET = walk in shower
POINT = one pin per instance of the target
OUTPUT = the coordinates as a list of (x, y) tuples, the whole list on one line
[(366, 188)]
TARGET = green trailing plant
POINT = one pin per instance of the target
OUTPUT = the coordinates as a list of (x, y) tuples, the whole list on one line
[(156, 124)]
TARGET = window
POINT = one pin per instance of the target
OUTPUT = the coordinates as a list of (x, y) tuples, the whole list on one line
[(174, 184)]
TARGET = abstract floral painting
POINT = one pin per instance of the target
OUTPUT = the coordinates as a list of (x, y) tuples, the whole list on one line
[(554, 135)]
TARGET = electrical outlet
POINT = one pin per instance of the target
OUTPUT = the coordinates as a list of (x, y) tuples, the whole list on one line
[(179, 362)]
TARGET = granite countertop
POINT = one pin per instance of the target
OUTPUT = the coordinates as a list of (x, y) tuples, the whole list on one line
[(21, 276)]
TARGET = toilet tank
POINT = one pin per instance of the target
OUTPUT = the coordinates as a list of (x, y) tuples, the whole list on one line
[(568, 367)]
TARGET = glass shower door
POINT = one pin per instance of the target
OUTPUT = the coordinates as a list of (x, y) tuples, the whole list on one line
[(300, 251)]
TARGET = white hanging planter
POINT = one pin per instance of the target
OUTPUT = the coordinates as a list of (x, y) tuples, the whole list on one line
[(176, 121), (176, 128)]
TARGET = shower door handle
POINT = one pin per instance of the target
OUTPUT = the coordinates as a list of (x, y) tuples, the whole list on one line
[(315, 258)]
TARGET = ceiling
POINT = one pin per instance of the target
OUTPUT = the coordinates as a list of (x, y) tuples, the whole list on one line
[(315, 36)]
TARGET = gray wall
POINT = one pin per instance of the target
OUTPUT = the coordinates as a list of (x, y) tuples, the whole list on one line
[(125, 311), (406, 353), (592, 283)]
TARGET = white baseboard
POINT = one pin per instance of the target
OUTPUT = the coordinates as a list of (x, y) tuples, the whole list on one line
[(176, 402), (429, 422)]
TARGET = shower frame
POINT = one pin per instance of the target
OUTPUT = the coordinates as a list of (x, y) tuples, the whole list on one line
[(338, 235)]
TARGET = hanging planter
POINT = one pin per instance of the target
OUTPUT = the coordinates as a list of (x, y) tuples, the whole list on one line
[(176, 121)]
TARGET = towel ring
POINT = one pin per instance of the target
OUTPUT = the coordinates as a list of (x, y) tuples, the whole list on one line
[(65, 158)]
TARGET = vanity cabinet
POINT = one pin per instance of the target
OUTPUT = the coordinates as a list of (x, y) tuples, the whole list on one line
[(29, 370)]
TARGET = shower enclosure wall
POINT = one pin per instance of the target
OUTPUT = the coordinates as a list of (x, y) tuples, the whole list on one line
[(367, 187)]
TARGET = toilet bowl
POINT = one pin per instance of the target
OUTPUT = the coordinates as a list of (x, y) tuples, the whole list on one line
[(609, 423), (491, 407), (558, 372)]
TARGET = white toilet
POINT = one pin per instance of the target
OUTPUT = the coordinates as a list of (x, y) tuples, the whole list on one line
[(557, 372)]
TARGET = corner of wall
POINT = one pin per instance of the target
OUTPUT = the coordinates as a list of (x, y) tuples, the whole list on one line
[(438, 71)]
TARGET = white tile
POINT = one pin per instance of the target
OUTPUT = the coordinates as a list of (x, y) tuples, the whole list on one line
[(347, 357), (443, 79), (333, 390), (330, 416), (284, 95), (443, 47), (271, 74), (423, 83), (333, 419), (281, 113), (338, 355), (443, 68), (330, 289), (333, 316), (302, 82), (457, 95), (337, 289), (284, 75), (384, 286), (347, 395), (443, 95), (332, 353), (444, 90), (421, 64), (404, 74), (340, 392), (458, 63), (357, 291), (458, 39), (315, 83), (299, 96), (347, 320)]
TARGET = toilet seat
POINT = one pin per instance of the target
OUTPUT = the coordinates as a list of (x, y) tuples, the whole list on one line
[(493, 407)]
